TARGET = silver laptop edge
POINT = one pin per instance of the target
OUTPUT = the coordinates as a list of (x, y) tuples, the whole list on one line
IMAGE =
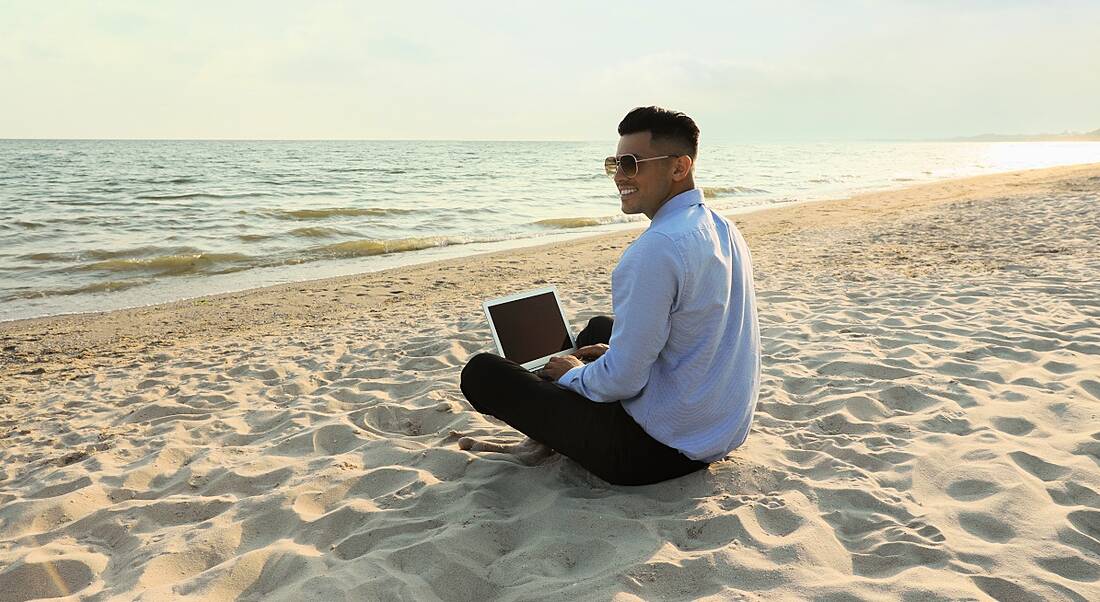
[(535, 364)]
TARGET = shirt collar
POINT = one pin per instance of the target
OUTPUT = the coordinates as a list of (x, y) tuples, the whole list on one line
[(681, 201)]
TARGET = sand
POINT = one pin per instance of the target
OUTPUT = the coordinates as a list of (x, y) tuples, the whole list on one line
[(927, 428)]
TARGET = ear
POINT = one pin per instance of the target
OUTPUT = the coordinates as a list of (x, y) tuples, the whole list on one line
[(682, 168)]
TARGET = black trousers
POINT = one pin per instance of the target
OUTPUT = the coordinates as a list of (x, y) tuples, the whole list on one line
[(601, 437)]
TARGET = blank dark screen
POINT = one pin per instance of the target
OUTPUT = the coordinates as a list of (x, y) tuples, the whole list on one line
[(530, 328)]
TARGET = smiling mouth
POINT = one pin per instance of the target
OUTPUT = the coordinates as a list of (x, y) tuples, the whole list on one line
[(627, 191)]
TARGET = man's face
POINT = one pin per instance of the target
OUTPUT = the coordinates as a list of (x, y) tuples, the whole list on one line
[(647, 191)]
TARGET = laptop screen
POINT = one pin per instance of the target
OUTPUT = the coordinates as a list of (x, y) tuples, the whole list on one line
[(530, 328)]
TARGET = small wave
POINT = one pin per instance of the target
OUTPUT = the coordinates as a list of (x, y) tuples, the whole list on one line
[(146, 251), (99, 287), (713, 191), (174, 265), (29, 225), (253, 237), (315, 232), (338, 212), (161, 181), (580, 177), (201, 195), (135, 252), (382, 170), (368, 247), (574, 222), (47, 257)]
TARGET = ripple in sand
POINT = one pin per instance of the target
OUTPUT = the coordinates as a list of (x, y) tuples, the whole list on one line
[(1013, 426), (986, 526), (1089, 449), (328, 440), (361, 543), (393, 419), (1088, 521), (1087, 544), (1074, 494), (889, 559), (972, 489), (61, 488), (390, 482), (1038, 467), (49, 579), (1000, 588), (1071, 567)]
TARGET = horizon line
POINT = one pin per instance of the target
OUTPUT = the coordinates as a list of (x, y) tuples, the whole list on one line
[(1007, 138), (568, 140)]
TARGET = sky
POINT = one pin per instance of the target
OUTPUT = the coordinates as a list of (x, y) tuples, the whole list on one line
[(776, 70)]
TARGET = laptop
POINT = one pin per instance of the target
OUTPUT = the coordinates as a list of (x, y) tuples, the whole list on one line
[(530, 327)]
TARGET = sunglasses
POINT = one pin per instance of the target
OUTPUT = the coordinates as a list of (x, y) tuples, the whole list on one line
[(627, 164)]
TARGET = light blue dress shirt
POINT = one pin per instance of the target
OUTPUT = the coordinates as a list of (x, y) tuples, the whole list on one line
[(684, 356)]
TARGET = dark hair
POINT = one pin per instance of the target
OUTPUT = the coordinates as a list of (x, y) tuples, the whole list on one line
[(663, 124)]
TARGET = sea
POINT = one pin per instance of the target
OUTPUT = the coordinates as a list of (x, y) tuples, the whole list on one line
[(94, 225)]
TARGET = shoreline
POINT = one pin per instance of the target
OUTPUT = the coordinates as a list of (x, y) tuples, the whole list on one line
[(75, 335), (57, 280)]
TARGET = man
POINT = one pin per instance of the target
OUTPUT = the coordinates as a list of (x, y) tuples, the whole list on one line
[(673, 378)]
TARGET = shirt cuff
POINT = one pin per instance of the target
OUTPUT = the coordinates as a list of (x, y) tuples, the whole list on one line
[(570, 377)]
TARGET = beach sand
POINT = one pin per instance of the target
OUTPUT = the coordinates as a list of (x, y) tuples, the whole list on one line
[(928, 428)]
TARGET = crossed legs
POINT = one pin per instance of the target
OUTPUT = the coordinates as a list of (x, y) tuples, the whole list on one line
[(601, 437)]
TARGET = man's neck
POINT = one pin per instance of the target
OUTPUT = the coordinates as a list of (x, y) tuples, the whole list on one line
[(679, 189)]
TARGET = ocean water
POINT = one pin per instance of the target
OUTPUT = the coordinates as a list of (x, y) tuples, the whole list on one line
[(97, 225)]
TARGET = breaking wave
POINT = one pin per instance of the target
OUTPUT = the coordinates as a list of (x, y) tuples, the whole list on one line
[(337, 212), (585, 222), (132, 253), (315, 232), (713, 191), (110, 286), (174, 265), (368, 247)]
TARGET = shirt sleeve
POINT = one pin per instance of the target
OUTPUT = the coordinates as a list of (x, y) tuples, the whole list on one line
[(644, 290)]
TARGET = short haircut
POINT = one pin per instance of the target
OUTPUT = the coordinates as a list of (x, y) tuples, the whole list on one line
[(663, 125)]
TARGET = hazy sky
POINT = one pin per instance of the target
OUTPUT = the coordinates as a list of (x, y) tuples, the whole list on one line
[(752, 71)]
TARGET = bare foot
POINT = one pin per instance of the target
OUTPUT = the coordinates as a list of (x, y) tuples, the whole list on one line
[(527, 451)]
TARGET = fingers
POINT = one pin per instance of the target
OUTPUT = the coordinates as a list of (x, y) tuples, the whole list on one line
[(590, 352), (554, 369)]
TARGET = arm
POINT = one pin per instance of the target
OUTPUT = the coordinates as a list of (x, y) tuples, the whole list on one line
[(644, 290)]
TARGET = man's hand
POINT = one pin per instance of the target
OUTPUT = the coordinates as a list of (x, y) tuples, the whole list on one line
[(590, 353), (559, 365)]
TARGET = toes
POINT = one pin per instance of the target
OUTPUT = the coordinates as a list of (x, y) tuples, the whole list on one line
[(471, 444)]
